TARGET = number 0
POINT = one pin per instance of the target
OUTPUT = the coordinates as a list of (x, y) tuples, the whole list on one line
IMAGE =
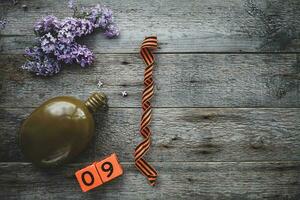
[(108, 169), (83, 175)]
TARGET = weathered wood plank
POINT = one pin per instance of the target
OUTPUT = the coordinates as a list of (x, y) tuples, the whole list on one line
[(190, 134), (204, 180), (182, 80), (181, 26)]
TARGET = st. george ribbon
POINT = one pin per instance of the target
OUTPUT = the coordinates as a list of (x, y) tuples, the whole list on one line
[(149, 44)]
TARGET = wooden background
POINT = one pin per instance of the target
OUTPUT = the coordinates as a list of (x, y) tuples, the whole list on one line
[(227, 103)]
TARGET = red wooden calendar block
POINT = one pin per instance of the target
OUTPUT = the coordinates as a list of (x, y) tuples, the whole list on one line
[(109, 168), (88, 178), (98, 173)]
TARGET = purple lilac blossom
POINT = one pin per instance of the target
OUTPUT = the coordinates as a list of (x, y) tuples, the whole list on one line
[(84, 27), (106, 18), (34, 53), (112, 31), (72, 27), (45, 67), (57, 40), (84, 56), (48, 43), (101, 17), (46, 25), (71, 53), (39, 63), (67, 32), (64, 52)]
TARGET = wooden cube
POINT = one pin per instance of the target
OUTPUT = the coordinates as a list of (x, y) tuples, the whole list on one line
[(88, 178), (109, 168)]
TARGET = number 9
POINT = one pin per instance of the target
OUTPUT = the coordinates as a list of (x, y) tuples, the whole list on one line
[(108, 169)]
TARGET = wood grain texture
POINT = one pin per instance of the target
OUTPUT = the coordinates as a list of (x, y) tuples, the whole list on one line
[(180, 134), (204, 180), (181, 26), (226, 120), (181, 80)]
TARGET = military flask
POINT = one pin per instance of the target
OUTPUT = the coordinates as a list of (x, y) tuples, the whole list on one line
[(59, 129)]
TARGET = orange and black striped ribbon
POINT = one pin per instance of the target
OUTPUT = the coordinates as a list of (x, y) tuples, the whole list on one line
[(149, 43)]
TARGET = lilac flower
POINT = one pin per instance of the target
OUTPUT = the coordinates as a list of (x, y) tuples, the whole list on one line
[(124, 94), (112, 31), (84, 27), (46, 25), (57, 40), (72, 27), (34, 53), (83, 55), (40, 63), (106, 18), (65, 52), (67, 32), (100, 16), (46, 67), (71, 53), (2, 24), (48, 43), (93, 14)]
